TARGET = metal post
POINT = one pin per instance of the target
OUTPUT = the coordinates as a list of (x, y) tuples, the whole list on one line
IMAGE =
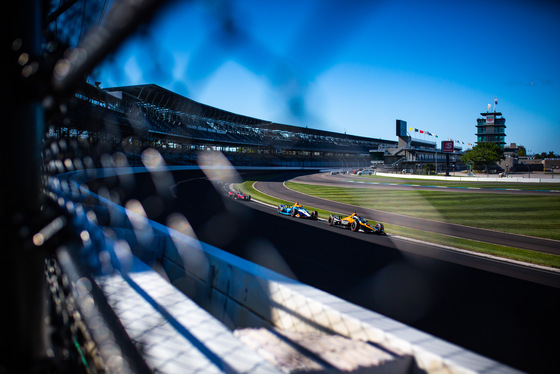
[(23, 338)]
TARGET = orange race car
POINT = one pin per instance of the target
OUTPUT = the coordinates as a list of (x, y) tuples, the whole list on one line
[(356, 223)]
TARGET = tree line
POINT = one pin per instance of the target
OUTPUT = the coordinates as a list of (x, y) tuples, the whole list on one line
[(483, 155)]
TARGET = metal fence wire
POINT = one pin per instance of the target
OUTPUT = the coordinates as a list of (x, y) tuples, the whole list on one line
[(49, 323), (62, 231), (54, 232)]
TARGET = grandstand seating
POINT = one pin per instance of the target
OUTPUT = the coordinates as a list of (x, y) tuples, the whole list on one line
[(179, 134)]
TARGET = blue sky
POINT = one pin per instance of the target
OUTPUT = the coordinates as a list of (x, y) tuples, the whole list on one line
[(357, 66)]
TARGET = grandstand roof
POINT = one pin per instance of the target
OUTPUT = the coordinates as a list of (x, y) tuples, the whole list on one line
[(162, 99)]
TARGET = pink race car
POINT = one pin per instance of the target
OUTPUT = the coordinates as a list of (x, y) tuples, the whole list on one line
[(238, 195)]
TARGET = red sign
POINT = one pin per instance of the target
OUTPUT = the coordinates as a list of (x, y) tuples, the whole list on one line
[(447, 146)]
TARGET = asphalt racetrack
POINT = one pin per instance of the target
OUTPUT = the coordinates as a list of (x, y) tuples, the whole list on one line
[(505, 311), (275, 187)]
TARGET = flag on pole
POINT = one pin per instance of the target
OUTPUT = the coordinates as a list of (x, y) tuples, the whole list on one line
[(496, 101)]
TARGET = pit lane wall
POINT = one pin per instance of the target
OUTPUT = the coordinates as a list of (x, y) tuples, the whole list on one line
[(226, 293)]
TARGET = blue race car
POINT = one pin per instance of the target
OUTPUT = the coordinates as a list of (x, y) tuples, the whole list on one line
[(297, 210)]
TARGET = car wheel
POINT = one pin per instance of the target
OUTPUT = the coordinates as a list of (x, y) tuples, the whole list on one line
[(380, 228), (354, 226), (314, 214), (293, 212), (249, 197), (331, 220)]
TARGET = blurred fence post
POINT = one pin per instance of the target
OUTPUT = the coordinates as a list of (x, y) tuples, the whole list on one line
[(22, 283)]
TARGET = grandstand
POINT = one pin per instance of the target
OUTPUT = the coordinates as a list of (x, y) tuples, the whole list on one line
[(137, 117)]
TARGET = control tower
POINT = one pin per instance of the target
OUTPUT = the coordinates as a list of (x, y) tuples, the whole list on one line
[(491, 128)]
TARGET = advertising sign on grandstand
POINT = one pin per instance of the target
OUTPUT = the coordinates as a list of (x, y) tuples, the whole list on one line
[(490, 119), (447, 146)]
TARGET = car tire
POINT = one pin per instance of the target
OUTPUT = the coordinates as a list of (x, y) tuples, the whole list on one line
[(249, 197), (293, 212), (380, 228), (331, 219), (314, 214), (354, 226)]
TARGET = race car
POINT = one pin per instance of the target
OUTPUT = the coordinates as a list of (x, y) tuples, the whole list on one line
[(239, 195), (356, 223), (297, 210)]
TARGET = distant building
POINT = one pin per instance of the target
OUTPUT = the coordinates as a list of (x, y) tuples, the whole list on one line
[(413, 155), (491, 129), (513, 162), (510, 161)]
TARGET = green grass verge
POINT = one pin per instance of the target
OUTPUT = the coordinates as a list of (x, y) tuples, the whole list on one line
[(466, 244), (466, 184)]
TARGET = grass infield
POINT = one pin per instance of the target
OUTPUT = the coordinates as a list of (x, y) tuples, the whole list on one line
[(460, 184), (528, 215)]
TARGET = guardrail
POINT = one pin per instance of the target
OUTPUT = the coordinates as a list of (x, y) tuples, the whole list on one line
[(210, 294)]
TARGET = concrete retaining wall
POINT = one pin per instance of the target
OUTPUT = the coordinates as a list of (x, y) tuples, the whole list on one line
[(239, 294)]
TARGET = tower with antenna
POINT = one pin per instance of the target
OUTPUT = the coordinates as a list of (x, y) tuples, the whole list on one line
[(492, 127)]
